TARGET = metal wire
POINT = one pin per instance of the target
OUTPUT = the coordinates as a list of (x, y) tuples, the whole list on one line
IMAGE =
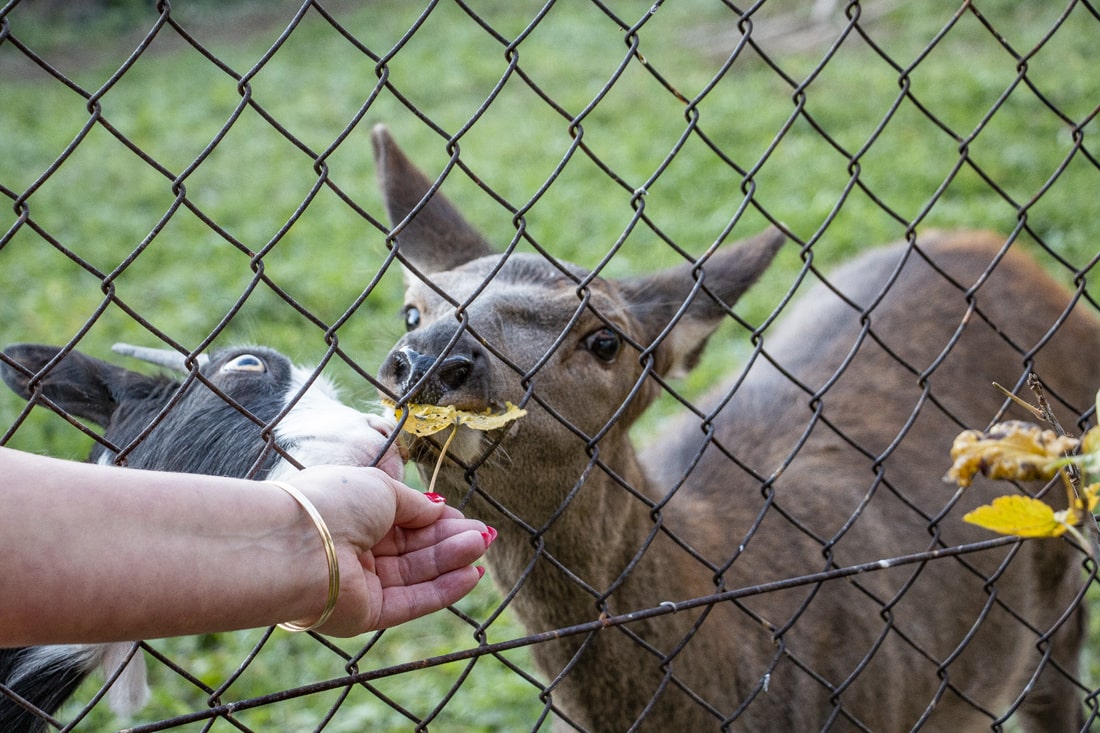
[(746, 42)]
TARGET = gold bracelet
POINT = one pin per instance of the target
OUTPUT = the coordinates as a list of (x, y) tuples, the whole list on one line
[(330, 556)]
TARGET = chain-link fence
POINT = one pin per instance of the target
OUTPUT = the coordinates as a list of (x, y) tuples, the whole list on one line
[(782, 553)]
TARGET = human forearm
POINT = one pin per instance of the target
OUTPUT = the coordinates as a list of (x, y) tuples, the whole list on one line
[(128, 554), (96, 554)]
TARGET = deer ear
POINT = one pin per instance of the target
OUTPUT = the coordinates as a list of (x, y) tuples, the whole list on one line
[(86, 387), (434, 237), (656, 299)]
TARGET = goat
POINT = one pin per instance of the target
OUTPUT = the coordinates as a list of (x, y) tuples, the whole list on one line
[(826, 450), (249, 412)]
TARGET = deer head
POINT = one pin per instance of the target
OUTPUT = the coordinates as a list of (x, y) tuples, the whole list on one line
[(574, 347)]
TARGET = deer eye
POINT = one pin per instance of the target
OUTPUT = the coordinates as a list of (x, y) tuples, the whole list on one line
[(412, 317), (245, 363), (604, 344)]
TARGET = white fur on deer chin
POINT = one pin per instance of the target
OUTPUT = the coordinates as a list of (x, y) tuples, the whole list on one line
[(467, 447)]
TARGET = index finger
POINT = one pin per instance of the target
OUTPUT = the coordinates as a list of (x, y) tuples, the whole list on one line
[(414, 509)]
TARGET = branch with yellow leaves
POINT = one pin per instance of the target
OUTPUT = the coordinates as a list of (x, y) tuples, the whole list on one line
[(1021, 451)]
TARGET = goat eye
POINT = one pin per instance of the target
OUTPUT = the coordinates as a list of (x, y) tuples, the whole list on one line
[(412, 317), (604, 344), (245, 363)]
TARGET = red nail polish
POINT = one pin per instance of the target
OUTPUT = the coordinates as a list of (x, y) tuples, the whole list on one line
[(489, 535), (436, 498), (480, 571)]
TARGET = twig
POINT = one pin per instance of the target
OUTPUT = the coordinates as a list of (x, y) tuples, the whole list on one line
[(1036, 387), (1026, 405)]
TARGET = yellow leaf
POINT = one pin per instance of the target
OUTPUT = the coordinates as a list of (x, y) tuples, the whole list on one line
[(1089, 460), (1090, 497), (426, 419), (490, 420), (1018, 515), (1090, 441), (430, 419), (1011, 450)]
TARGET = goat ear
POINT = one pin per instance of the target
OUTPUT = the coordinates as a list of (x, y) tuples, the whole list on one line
[(83, 386), (728, 273), (435, 237)]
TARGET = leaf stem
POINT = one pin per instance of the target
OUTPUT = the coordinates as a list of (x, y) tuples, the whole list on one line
[(442, 455)]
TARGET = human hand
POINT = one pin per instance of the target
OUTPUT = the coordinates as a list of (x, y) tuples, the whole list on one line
[(402, 554)]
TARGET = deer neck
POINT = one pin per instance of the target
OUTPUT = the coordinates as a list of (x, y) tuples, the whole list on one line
[(576, 513)]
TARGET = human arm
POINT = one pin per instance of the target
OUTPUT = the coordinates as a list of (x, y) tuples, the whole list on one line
[(95, 554)]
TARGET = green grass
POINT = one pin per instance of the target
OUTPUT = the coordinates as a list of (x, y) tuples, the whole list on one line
[(104, 201)]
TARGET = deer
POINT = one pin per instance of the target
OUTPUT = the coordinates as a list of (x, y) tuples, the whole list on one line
[(826, 449)]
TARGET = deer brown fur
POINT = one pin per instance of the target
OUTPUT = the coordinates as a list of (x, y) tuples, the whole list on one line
[(826, 450)]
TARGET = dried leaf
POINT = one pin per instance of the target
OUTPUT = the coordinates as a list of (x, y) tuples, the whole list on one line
[(426, 419), (490, 420), (430, 419), (1011, 450), (1018, 515)]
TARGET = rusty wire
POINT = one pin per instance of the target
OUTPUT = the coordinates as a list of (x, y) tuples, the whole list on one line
[(697, 130)]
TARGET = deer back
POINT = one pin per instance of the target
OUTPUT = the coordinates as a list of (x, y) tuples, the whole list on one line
[(830, 453)]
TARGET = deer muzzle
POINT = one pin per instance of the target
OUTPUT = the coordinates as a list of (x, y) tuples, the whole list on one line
[(436, 380)]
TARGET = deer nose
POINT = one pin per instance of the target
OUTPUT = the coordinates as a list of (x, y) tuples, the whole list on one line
[(454, 370), (406, 367)]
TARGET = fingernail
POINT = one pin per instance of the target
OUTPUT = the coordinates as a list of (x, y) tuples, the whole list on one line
[(489, 535), (480, 571), (436, 498)]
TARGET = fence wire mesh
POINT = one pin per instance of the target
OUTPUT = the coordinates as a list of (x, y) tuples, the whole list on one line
[(191, 175)]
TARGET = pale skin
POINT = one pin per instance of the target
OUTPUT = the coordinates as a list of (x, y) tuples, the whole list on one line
[(98, 554)]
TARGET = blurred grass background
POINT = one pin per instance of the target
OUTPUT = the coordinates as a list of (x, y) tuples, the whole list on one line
[(103, 201)]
